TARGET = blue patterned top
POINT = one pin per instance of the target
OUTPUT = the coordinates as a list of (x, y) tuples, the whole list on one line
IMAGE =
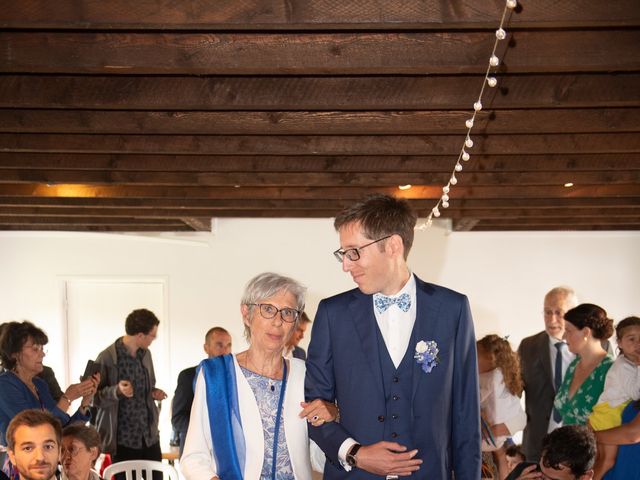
[(267, 393)]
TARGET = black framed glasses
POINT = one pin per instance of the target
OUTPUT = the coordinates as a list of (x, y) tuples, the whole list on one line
[(269, 311), (353, 254)]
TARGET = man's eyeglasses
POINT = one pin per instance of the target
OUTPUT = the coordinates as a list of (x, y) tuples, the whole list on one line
[(353, 254), (72, 452), (269, 311)]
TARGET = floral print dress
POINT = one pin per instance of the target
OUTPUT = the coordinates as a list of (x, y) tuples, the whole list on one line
[(576, 410)]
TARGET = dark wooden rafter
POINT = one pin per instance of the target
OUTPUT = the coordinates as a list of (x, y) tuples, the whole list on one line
[(159, 115), (316, 15)]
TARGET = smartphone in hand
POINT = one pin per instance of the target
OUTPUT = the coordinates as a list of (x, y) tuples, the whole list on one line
[(91, 368)]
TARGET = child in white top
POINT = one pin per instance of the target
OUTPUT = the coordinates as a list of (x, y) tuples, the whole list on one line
[(500, 391), (621, 386)]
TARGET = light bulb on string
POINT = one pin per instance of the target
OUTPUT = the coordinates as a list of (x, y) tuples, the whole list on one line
[(494, 61), (469, 123), (512, 3), (492, 82), (465, 156), (429, 221), (453, 180), (458, 167), (445, 189), (477, 106), (468, 142), (445, 204), (445, 198), (436, 212), (501, 34)]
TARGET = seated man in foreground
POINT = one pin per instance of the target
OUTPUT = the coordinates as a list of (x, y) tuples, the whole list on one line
[(568, 453)]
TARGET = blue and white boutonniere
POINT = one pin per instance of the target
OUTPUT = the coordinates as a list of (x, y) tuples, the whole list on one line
[(426, 355)]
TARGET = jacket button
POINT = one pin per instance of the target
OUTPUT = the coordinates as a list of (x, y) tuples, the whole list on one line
[(381, 418), (394, 435), (396, 397), (394, 416), (396, 379)]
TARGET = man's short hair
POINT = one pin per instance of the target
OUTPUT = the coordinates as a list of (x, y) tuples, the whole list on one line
[(140, 321), (32, 418), (214, 330), (573, 446), (565, 292), (379, 216), (304, 318)]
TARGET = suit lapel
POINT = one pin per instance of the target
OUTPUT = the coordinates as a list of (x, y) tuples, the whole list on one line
[(426, 325), (543, 348), (364, 320)]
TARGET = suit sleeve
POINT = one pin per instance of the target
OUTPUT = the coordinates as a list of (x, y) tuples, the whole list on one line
[(320, 383), (465, 434), (182, 400)]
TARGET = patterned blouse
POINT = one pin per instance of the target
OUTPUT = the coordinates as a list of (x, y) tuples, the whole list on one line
[(267, 393), (576, 410)]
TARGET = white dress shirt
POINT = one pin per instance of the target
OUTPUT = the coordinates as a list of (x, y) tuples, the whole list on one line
[(396, 326)]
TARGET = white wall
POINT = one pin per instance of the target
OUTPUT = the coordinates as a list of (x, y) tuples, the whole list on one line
[(505, 275)]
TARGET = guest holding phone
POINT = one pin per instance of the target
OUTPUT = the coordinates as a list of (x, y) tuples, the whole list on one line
[(21, 353)]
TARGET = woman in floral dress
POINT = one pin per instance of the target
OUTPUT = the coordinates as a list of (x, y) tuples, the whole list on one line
[(585, 327)]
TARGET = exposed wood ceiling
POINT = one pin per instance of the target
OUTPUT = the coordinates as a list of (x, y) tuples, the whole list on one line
[(156, 115)]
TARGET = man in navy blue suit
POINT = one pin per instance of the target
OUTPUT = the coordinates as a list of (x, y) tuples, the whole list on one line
[(398, 357)]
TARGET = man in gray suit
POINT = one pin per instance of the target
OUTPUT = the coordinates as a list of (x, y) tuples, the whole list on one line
[(544, 359)]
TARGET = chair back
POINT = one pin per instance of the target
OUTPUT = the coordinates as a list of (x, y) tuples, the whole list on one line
[(141, 467)]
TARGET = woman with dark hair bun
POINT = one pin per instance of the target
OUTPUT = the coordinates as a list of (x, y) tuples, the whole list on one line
[(585, 327)]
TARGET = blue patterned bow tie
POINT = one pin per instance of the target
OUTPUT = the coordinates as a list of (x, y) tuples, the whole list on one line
[(383, 302)]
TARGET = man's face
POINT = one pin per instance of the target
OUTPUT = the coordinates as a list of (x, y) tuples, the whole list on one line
[(36, 452), (145, 340), (218, 343), (298, 334), (555, 306), (373, 271)]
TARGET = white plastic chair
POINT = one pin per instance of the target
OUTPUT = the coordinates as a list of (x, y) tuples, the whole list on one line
[(140, 466)]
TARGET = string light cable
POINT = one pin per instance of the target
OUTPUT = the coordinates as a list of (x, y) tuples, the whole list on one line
[(463, 155)]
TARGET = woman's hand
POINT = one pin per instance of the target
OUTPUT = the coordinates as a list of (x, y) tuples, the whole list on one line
[(318, 412), (90, 387)]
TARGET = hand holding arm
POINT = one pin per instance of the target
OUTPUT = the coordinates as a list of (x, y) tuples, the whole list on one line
[(318, 412)]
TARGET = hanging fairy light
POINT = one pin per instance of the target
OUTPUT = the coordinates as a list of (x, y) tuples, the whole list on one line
[(490, 80)]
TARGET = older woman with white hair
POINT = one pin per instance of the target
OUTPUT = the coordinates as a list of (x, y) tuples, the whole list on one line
[(247, 420)]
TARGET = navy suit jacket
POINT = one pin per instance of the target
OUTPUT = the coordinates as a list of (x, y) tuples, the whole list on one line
[(343, 366)]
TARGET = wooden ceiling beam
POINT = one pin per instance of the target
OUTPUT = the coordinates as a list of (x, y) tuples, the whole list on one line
[(315, 179), (619, 211), (317, 93), (116, 228), (593, 120), (124, 163), (149, 205), (315, 54), (321, 144), (303, 192), (304, 15)]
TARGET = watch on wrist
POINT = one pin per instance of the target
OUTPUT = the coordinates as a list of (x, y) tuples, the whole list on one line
[(351, 455)]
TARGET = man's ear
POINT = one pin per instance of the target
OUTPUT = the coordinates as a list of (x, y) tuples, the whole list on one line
[(12, 457), (395, 245), (587, 476)]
